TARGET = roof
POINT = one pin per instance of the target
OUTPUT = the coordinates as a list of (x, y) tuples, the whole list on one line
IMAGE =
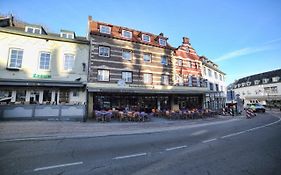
[(207, 62), (10, 25), (186, 50), (116, 32), (250, 80)]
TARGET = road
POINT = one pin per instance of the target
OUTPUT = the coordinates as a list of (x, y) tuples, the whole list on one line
[(247, 146)]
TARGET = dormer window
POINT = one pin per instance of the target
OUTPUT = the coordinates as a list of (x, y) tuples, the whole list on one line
[(265, 80), (257, 82), (145, 38), (30, 29), (67, 35), (105, 29), (126, 34), (162, 42), (275, 79)]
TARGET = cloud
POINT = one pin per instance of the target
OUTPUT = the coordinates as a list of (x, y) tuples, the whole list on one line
[(248, 50)]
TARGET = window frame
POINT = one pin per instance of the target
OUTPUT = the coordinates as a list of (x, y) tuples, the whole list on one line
[(144, 54), (39, 65), (163, 40), (126, 76), (67, 35), (99, 50), (9, 58), (167, 78), (151, 75), (145, 35), (166, 58), (64, 58), (103, 75), (180, 61), (33, 29), (124, 36), (128, 51), (103, 31)]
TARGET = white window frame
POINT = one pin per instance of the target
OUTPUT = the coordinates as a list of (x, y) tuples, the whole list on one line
[(180, 62), (127, 31), (144, 36), (162, 42), (33, 29), (275, 79), (101, 53), (165, 79), (147, 78), (104, 77), (68, 35), (127, 76), (64, 62), (147, 54), (124, 51), (105, 29), (162, 58), (9, 61), (39, 65)]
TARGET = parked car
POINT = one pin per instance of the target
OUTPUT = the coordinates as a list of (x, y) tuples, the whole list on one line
[(256, 107)]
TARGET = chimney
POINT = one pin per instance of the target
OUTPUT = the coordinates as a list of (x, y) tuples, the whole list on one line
[(185, 40), (161, 34), (89, 18)]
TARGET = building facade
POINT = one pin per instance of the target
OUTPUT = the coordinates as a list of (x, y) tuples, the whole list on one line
[(41, 68), (263, 88), (133, 69), (215, 82)]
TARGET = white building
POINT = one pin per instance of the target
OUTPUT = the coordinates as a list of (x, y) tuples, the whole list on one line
[(264, 88), (215, 81), (37, 67)]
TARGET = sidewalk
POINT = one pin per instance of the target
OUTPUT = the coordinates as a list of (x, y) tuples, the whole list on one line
[(42, 130)]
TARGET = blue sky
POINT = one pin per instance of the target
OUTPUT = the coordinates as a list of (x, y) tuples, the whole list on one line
[(242, 36)]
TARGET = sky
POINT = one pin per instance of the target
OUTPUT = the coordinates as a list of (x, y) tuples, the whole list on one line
[(242, 36)]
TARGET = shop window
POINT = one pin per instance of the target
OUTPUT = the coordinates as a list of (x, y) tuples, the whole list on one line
[(15, 58), (20, 96), (64, 96), (34, 97), (147, 78), (103, 75), (127, 77), (47, 96)]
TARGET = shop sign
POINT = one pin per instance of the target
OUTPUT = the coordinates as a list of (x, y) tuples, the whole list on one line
[(141, 86), (41, 76)]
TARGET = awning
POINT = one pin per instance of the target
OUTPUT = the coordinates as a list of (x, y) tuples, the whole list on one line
[(41, 83)]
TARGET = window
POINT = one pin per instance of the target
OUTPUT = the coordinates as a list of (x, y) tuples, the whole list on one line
[(164, 60), (204, 70), (145, 38), (180, 63), (217, 87), (45, 58), (69, 60), (103, 75), (127, 77), (189, 64), (210, 72), (265, 80), (67, 35), (75, 93), (220, 77), (47, 96), (20, 96), (127, 55), (271, 90), (32, 30), (64, 96), (104, 51), (165, 79), (147, 57), (15, 58), (221, 88), (147, 78), (162, 42), (105, 29), (257, 82), (275, 79), (126, 34), (216, 75)]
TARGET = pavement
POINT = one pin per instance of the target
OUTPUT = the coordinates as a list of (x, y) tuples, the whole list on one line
[(42, 130)]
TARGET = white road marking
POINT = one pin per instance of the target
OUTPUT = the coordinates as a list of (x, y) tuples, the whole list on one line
[(174, 148), (58, 166), (210, 140), (252, 129), (130, 156)]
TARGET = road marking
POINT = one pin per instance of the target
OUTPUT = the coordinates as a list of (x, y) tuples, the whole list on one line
[(252, 129), (174, 148), (130, 156), (210, 140), (58, 166)]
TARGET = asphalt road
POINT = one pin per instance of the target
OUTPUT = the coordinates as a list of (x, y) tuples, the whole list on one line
[(247, 146)]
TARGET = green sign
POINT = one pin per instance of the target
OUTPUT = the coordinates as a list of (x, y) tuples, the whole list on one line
[(41, 76)]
